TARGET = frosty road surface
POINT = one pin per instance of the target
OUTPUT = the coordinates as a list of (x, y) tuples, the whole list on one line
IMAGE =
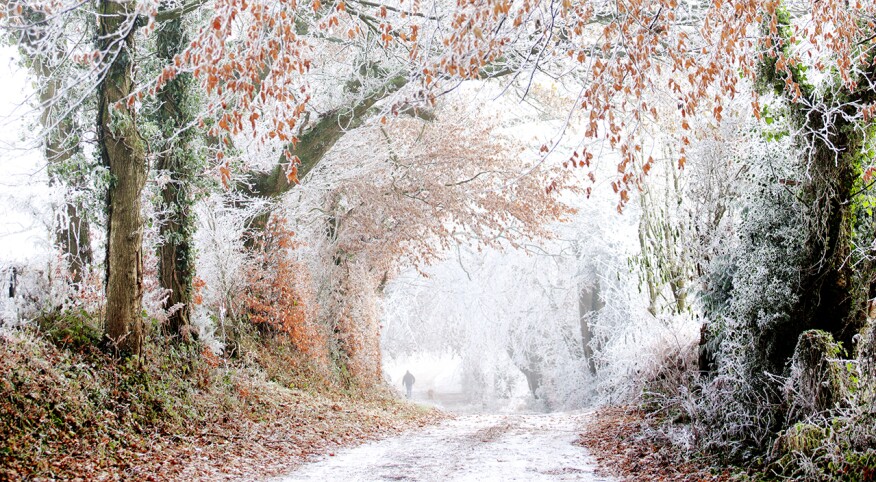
[(469, 448)]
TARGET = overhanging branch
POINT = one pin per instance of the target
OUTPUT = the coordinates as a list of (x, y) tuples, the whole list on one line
[(314, 144), (175, 13)]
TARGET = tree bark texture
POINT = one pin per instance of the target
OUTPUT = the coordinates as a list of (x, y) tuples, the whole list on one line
[(123, 151)]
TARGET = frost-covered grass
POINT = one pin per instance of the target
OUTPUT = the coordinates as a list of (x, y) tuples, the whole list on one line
[(724, 420)]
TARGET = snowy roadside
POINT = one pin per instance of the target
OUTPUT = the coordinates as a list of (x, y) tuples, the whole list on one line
[(476, 447)]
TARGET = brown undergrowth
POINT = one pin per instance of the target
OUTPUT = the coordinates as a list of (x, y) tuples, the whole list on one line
[(621, 440), (68, 411)]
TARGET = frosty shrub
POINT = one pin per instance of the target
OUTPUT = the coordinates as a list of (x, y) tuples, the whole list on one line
[(740, 407), (278, 296), (222, 263)]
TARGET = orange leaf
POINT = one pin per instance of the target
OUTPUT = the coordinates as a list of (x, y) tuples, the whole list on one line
[(292, 175), (225, 175)]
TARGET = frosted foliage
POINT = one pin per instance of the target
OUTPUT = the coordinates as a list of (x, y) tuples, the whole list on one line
[(407, 191), (764, 257), (34, 291), (42, 285), (501, 313), (207, 328), (401, 194), (222, 259), (713, 181), (518, 310), (629, 342), (772, 243), (154, 295)]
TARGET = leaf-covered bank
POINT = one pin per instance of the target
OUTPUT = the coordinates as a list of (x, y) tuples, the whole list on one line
[(69, 411), (625, 445)]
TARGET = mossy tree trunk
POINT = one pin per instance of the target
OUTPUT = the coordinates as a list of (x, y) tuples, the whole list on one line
[(177, 159), (836, 297), (123, 151), (815, 384), (832, 295)]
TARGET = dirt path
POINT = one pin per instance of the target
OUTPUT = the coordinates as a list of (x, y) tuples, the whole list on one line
[(468, 448)]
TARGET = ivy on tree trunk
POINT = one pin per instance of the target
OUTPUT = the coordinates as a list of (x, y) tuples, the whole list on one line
[(832, 295), (175, 255), (123, 152)]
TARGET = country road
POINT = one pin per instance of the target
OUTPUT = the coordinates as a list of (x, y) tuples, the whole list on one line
[(500, 447)]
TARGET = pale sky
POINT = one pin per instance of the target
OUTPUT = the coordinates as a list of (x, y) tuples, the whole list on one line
[(23, 189)]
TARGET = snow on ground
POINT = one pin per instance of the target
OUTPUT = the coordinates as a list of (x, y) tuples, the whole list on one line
[(500, 447)]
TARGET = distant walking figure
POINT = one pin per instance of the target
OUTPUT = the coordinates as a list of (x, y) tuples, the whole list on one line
[(408, 381)]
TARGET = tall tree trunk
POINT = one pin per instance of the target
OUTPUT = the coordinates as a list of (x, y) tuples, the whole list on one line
[(175, 256), (650, 278), (123, 151), (833, 295), (533, 380), (588, 303), (73, 238), (72, 233)]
